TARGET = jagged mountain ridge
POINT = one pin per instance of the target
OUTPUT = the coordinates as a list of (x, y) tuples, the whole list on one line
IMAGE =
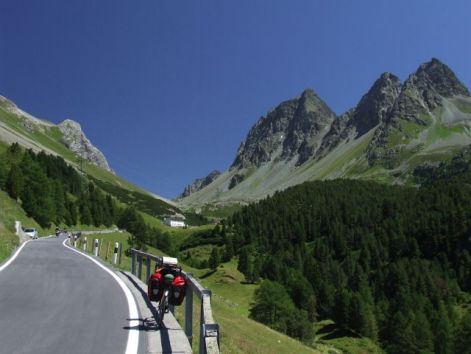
[(394, 127), (77, 142), (72, 136), (199, 184), (293, 129), (421, 94)]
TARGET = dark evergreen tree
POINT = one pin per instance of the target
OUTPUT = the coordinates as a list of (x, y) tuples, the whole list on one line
[(272, 306), (15, 182), (256, 269), (228, 249), (214, 259), (442, 333), (463, 335), (245, 264)]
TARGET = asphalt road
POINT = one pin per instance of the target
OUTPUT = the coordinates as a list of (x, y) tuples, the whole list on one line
[(53, 300)]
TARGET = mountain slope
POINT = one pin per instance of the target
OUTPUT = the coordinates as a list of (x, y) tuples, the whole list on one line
[(68, 141), (394, 128), (199, 184), (37, 134)]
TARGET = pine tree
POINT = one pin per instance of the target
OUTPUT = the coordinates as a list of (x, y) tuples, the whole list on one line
[(463, 335), (15, 182), (244, 264), (256, 269), (272, 306), (400, 335), (3, 173), (85, 213), (228, 249), (214, 259), (343, 308), (423, 333), (442, 331)]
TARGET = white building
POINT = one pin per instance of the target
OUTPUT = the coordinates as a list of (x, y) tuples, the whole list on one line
[(174, 223)]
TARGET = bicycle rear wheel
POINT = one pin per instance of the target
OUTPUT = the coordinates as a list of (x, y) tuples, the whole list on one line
[(162, 307)]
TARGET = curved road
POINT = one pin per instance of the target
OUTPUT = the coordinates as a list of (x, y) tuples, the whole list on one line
[(54, 300)]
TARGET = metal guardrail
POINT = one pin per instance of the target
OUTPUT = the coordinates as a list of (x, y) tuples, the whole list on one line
[(209, 329)]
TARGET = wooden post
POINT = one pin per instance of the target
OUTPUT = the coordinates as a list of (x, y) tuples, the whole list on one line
[(107, 250)]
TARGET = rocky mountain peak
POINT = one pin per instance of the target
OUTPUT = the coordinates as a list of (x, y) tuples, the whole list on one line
[(439, 76), (428, 85), (292, 130), (308, 94), (199, 184), (422, 93), (72, 125), (376, 103), (78, 143), (372, 110)]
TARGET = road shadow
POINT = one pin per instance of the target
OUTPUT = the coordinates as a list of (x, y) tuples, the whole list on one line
[(150, 324)]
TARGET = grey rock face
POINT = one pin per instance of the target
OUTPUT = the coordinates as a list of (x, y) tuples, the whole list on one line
[(78, 143), (374, 107), (235, 180), (199, 184), (435, 79), (372, 110), (306, 128), (421, 93), (293, 129)]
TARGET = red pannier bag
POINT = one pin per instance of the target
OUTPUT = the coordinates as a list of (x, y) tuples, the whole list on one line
[(178, 290), (154, 288)]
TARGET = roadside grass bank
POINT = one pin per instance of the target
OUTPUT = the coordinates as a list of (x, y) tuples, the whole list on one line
[(11, 211)]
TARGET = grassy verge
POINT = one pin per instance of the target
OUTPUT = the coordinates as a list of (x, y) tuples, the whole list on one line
[(8, 242), (11, 211), (328, 333)]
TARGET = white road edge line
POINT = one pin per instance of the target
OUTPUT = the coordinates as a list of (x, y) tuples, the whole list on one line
[(133, 337), (12, 258)]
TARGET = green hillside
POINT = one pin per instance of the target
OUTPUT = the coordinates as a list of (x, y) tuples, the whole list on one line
[(44, 136), (11, 211), (384, 262)]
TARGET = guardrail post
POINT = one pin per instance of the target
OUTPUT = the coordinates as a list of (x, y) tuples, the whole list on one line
[(115, 253), (139, 266), (211, 330), (205, 293), (189, 312), (148, 268), (133, 262)]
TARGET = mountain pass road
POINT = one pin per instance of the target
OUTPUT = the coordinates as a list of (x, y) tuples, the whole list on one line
[(54, 300)]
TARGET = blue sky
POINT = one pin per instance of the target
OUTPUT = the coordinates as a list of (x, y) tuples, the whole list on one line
[(169, 89)]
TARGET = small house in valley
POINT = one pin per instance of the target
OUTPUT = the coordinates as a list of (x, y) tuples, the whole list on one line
[(173, 222)]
